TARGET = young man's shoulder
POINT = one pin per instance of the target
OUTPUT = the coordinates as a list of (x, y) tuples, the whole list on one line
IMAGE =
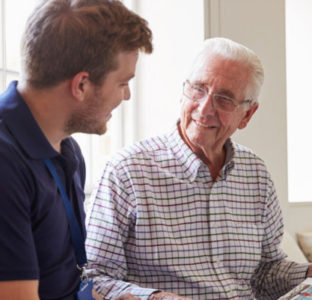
[(10, 149)]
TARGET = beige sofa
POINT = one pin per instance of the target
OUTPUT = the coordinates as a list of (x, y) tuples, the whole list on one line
[(291, 248)]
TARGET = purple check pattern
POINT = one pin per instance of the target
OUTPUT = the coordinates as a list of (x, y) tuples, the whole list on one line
[(159, 222)]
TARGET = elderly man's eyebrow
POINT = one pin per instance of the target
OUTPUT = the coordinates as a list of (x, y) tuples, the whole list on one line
[(221, 91), (226, 92), (198, 82)]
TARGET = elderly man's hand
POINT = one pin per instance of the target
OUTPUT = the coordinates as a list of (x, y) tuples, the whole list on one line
[(96, 296), (309, 273), (166, 296), (127, 296)]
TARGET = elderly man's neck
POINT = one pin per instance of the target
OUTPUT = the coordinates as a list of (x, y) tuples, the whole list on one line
[(212, 156)]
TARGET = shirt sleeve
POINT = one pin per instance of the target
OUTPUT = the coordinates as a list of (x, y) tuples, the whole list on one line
[(113, 212), (18, 260), (275, 275)]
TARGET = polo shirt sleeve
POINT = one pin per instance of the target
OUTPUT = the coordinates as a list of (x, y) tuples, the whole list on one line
[(18, 260)]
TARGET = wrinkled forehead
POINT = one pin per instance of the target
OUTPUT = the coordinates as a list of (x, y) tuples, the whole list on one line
[(216, 65), (221, 73)]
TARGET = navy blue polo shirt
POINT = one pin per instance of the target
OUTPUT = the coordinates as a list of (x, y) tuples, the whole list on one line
[(35, 241)]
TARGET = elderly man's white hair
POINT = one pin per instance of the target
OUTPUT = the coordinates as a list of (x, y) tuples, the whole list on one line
[(234, 51)]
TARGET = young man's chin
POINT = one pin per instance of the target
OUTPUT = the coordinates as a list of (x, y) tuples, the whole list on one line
[(100, 130)]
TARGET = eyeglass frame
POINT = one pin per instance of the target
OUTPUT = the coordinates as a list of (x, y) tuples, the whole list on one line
[(234, 101)]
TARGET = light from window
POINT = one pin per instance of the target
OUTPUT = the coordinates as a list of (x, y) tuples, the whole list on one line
[(12, 22), (299, 102)]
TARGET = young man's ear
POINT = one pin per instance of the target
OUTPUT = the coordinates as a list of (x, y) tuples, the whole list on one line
[(248, 114), (80, 85)]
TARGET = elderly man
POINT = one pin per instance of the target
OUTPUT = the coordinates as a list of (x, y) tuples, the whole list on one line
[(78, 57), (192, 213)]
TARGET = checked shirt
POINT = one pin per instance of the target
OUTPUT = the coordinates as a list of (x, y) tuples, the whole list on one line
[(159, 222)]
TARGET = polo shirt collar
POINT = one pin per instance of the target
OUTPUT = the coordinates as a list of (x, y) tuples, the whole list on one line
[(23, 126)]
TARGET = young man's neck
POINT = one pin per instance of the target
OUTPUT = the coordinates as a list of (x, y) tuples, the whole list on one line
[(48, 107)]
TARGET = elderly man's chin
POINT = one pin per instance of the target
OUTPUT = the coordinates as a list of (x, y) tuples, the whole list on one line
[(197, 138)]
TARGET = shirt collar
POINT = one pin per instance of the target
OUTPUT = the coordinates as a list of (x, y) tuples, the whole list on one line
[(229, 158), (188, 160), (22, 125)]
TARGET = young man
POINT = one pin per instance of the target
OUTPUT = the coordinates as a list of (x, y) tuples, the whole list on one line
[(77, 59)]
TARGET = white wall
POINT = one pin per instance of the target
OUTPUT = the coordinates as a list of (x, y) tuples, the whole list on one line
[(178, 31), (260, 25), (299, 63)]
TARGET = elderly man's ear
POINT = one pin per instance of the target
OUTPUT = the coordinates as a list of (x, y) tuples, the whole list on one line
[(248, 114)]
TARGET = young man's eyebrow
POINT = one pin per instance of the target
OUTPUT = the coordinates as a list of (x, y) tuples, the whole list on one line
[(128, 77)]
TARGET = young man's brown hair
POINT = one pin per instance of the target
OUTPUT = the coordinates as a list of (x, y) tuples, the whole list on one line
[(64, 37)]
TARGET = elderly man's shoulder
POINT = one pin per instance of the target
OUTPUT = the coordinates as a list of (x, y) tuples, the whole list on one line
[(147, 149), (247, 155)]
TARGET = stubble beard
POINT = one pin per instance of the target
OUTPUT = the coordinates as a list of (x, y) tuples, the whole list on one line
[(84, 123), (85, 119)]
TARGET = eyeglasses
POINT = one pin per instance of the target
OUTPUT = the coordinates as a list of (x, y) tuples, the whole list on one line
[(198, 94)]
